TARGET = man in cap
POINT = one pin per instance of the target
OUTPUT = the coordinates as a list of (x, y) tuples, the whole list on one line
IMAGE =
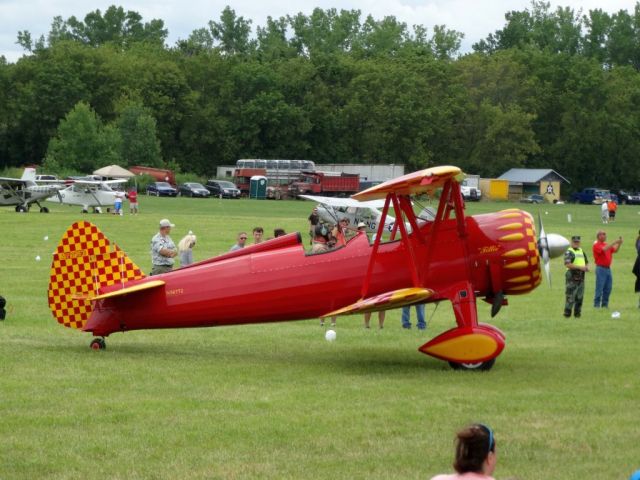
[(163, 250), (603, 256), (577, 265)]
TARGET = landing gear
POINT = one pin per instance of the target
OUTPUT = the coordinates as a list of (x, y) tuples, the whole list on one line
[(479, 366), (21, 209), (98, 344), (84, 210), (44, 210)]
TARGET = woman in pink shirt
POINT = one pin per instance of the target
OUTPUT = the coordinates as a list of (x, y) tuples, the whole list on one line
[(475, 454)]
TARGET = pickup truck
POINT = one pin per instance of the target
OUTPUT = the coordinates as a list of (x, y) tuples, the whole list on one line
[(591, 196), (470, 193)]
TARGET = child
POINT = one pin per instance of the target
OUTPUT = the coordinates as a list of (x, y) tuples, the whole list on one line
[(185, 247)]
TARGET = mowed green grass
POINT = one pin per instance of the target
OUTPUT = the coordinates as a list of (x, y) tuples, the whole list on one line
[(278, 401)]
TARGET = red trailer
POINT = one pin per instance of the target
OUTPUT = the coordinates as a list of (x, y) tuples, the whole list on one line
[(159, 174), (326, 183), (242, 178)]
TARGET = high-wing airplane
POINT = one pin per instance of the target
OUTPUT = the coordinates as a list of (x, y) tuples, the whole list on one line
[(88, 193), (96, 288), (332, 209), (22, 192)]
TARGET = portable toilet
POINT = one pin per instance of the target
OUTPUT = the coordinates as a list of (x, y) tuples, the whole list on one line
[(258, 187)]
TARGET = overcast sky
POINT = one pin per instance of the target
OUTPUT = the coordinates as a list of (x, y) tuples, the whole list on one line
[(475, 18)]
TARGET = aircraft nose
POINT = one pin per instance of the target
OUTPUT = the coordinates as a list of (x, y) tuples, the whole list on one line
[(557, 244)]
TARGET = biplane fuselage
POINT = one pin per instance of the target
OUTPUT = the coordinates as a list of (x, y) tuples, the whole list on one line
[(455, 257)]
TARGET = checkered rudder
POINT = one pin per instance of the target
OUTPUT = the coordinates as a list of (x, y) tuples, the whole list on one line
[(84, 262)]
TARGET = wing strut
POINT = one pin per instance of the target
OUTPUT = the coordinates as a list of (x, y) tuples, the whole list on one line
[(376, 245), (400, 206)]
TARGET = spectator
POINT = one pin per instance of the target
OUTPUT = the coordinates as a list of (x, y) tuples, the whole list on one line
[(3, 312), (314, 219), (612, 206), (604, 212), (133, 201), (163, 250), (602, 256), (117, 203), (185, 249), (381, 315), (258, 232), (278, 232), (339, 232), (240, 242), (577, 265), (475, 454), (320, 240), (406, 317)]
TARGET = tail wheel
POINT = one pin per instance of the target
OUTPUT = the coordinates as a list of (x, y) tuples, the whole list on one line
[(478, 366), (98, 344)]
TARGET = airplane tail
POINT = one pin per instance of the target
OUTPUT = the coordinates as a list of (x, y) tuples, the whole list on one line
[(83, 262), (29, 174)]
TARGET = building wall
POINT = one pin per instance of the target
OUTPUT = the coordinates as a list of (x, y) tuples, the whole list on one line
[(550, 190), (494, 189), (370, 173)]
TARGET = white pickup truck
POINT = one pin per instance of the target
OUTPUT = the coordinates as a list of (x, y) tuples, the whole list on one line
[(469, 192)]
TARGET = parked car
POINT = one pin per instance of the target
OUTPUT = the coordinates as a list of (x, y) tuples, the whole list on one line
[(193, 189), (625, 197), (534, 198), (161, 189), (223, 188)]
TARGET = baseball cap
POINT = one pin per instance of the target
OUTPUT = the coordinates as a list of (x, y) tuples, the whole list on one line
[(361, 224), (166, 223)]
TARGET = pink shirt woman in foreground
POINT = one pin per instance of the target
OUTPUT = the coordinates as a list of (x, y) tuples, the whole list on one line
[(475, 454)]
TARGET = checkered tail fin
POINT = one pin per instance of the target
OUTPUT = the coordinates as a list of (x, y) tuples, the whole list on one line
[(84, 262)]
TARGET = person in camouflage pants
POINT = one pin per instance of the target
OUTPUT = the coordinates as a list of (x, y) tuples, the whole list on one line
[(577, 265)]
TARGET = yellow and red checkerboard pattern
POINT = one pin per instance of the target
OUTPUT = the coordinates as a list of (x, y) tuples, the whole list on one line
[(84, 261)]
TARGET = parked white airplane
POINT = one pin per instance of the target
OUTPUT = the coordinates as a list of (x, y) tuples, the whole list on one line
[(88, 193), (332, 209), (22, 192)]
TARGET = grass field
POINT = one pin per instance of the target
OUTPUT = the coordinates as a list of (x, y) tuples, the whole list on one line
[(278, 401)]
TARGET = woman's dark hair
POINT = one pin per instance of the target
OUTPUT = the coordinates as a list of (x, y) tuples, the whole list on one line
[(473, 445)]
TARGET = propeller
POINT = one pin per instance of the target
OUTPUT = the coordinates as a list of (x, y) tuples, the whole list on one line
[(550, 246)]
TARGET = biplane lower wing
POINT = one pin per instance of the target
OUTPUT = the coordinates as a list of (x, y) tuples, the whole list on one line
[(385, 301)]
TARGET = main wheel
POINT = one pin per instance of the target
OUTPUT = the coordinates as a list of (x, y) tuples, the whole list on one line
[(478, 366), (44, 210), (98, 344), (21, 209)]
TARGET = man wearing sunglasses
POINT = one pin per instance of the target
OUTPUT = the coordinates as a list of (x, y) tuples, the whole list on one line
[(242, 240)]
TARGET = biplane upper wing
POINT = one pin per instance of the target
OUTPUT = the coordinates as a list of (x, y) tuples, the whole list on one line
[(343, 202), (385, 301), (423, 181)]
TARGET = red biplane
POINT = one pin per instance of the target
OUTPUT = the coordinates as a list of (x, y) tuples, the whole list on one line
[(95, 287)]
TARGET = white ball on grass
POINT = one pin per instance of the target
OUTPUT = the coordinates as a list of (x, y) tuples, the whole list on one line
[(330, 335), (37, 258)]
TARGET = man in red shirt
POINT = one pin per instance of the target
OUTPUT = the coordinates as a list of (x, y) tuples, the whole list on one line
[(602, 254)]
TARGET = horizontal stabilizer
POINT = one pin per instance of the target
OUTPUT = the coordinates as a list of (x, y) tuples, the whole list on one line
[(416, 183), (385, 301), (126, 291)]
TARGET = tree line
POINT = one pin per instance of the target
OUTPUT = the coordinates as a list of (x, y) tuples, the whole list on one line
[(552, 89)]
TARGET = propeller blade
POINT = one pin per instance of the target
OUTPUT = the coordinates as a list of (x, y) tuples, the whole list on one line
[(550, 246), (547, 271)]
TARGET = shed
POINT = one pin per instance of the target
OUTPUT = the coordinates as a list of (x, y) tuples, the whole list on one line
[(527, 181)]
